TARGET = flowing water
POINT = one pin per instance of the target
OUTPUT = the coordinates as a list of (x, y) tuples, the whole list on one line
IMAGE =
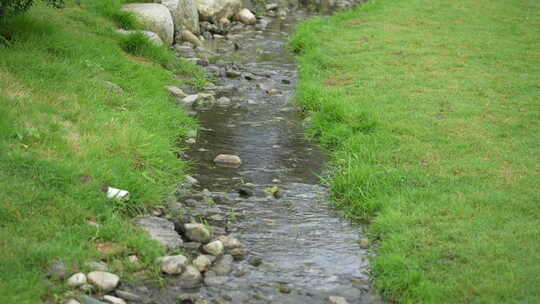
[(307, 251)]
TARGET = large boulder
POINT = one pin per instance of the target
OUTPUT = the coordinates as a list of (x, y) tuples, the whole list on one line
[(184, 13), (155, 18), (214, 10)]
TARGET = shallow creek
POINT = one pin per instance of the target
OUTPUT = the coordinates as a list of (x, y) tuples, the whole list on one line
[(305, 251)]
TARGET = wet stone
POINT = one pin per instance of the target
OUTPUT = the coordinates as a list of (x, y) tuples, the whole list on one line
[(160, 230), (89, 300), (337, 300), (215, 280), (197, 233), (223, 265), (113, 300), (228, 159), (238, 253), (214, 248), (126, 295), (202, 262), (255, 261), (191, 277)]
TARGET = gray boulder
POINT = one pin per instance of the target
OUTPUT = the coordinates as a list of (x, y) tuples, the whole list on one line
[(184, 13), (155, 18), (173, 264), (160, 230), (214, 10)]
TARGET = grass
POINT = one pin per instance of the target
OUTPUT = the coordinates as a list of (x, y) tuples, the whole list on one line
[(431, 112), (64, 133)]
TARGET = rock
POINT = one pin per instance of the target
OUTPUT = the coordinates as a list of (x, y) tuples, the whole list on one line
[(72, 301), (255, 261), (113, 300), (284, 289), (56, 270), (105, 281), (184, 14), (214, 248), (271, 6), (153, 37), (229, 242), (87, 288), (174, 264), (77, 280), (155, 18), (89, 300), (337, 300), (224, 21), (223, 265), (96, 265), (233, 74), (246, 16), (190, 37), (215, 280), (213, 10), (126, 295), (202, 262), (175, 91), (190, 99), (238, 253), (133, 259), (197, 233), (228, 159), (191, 277), (191, 141), (224, 101), (273, 92), (160, 230), (364, 242)]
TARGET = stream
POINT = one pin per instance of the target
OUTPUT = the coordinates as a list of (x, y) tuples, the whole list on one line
[(300, 250)]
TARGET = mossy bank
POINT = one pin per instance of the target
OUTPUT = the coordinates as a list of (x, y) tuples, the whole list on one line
[(431, 112), (78, 112)]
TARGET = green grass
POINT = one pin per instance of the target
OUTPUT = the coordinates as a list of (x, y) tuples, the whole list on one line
[(64, 134), (431, 111)]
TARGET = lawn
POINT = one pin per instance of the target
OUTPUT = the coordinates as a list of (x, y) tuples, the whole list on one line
[(431, 112), (65, 132)]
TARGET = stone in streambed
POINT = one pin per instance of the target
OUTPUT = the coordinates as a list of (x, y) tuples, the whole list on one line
[(223, 266), (228, 159), (202, 262), (197, 233), (113, 300), (89, 300), (190, 37), (337, 300), (214, 248), (126, 295), (191, 277), (246, 16), (173, 264)]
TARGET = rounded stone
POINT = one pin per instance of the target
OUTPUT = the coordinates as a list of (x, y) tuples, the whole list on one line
[(202, 262), (197, 232), (214, 248), (105, 281), (173, 264), (77, 280)]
